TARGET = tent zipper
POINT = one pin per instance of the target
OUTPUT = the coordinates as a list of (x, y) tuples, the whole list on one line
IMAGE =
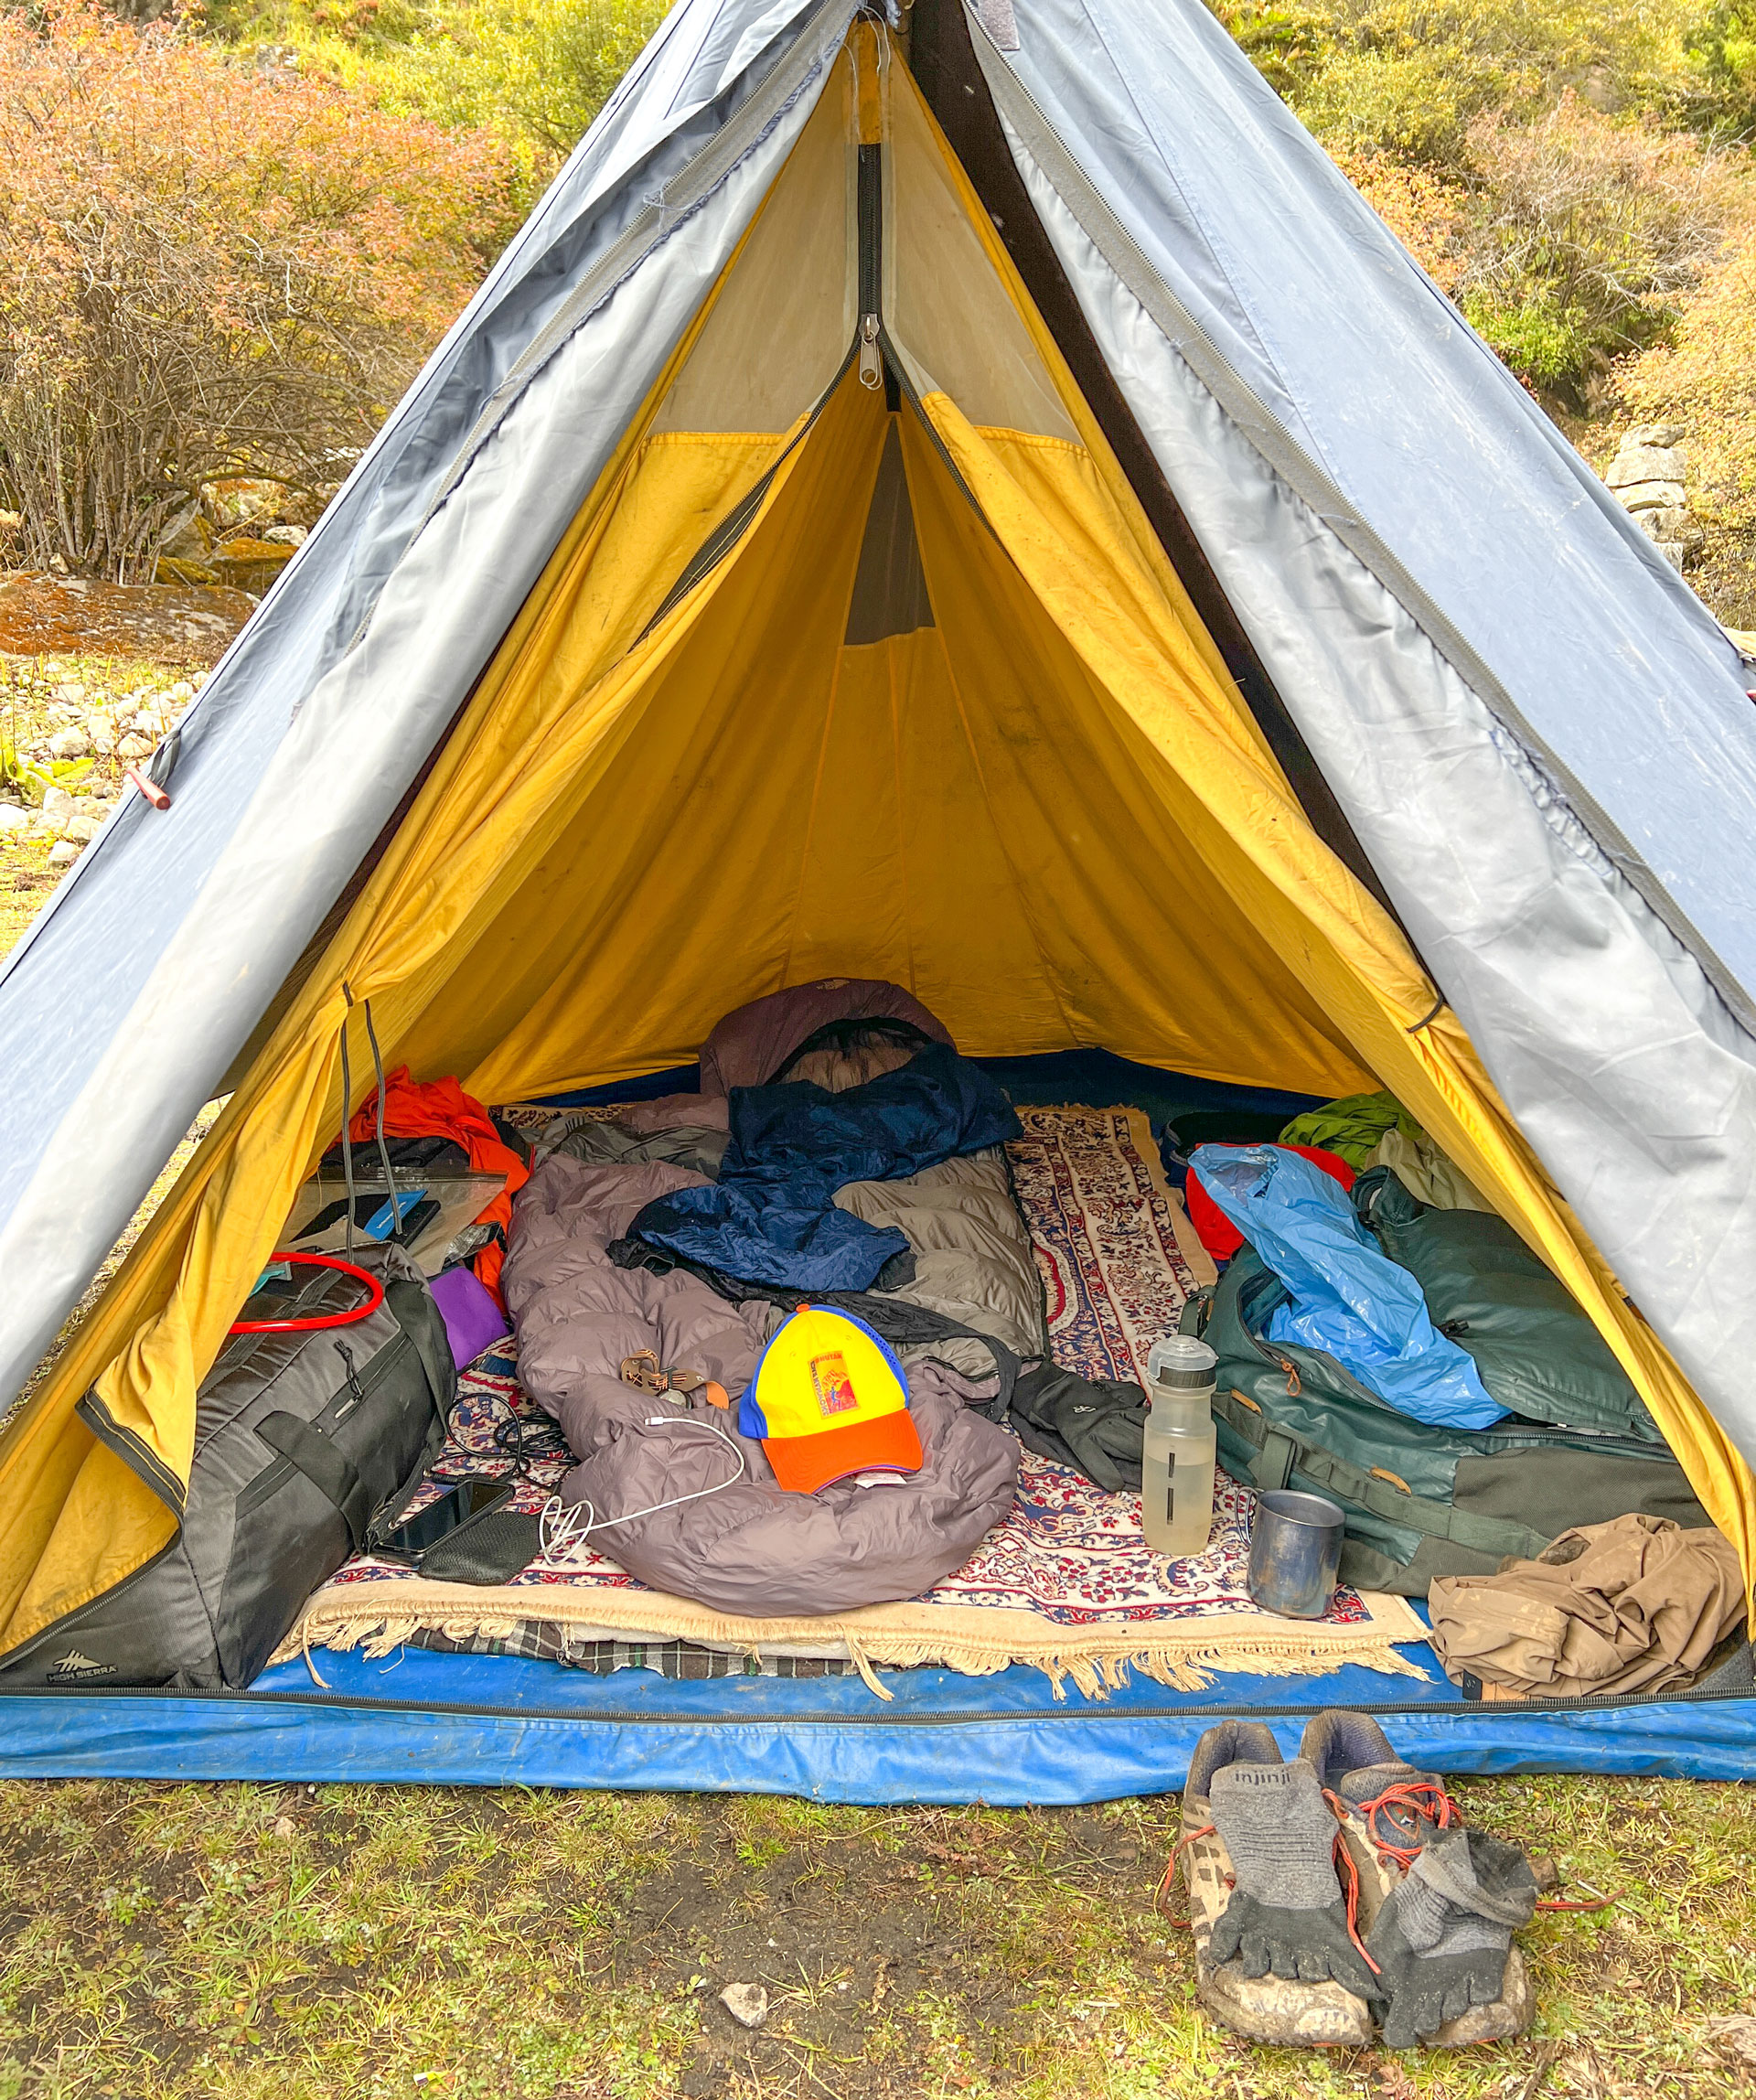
[(869, 213), (879, 363)]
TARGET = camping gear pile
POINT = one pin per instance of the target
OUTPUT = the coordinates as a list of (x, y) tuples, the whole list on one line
[(743, 1441)]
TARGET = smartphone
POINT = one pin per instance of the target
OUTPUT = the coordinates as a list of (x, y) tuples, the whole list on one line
[(418, 1534), (416, 1210)]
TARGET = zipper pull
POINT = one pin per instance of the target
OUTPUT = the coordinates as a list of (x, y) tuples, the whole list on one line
[(872, 366), (357, 1391)]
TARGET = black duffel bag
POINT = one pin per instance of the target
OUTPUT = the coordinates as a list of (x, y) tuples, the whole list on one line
[(301, 1438)]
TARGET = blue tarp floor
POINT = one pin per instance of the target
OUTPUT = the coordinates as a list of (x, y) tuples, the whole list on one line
[(483, 1720)]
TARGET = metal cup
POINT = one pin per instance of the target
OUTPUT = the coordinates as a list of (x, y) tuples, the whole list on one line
[(1295, 1550)]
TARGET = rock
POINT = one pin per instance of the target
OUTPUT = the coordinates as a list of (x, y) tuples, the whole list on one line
[(69, 742), (182, 693), (44, 616), (250, 564), (284, 1827), (1665, 523), (1651, 496), (102, 730), (83, 827), (61, 852), (746, 2003), (57, 808), (1646, 463), (133, 746), (288, 535), (70, 694), (1657, 433), (1673, 552), (239, 500), (188, 535), (14, 821)]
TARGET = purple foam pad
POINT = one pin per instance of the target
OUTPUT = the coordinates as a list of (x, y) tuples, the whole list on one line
[(473, 1321)]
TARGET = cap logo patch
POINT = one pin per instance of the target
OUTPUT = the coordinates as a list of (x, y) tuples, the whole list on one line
[(834, 1382)]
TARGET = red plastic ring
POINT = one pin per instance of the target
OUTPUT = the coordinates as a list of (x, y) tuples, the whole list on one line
[(375, 1298)]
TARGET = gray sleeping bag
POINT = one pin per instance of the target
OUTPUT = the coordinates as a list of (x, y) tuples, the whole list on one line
[(751, 1547)]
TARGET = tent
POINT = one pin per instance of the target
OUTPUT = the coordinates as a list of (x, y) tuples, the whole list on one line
[(973, 499)]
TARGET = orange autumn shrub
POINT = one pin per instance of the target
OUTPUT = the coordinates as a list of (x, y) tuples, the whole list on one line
[(1424, 213), (206, 271), (1587, 233), (1705, 378)]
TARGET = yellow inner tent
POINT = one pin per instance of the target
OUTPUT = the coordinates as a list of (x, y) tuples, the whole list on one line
[(827, 677)]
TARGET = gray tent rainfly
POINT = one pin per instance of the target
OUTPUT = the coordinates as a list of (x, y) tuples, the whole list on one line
[(1498, 701)]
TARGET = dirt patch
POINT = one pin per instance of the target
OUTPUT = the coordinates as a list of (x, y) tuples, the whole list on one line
[(236, 1942), (151, 622)]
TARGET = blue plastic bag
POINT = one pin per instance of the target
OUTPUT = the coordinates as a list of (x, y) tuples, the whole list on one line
[(1349, 1299)]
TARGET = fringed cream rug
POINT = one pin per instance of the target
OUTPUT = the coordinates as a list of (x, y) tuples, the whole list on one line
[(1066, 1584)]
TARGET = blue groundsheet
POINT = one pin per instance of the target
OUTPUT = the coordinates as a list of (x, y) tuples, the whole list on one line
[(482, 1720)]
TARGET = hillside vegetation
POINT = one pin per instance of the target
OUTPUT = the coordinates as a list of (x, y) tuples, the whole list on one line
[(228, 234), (1578, 175)]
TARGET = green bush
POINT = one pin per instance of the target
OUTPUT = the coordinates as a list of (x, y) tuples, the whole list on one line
[(1410, 77), (1724, 47), (534, 72), (1583, 237), (537, 71)]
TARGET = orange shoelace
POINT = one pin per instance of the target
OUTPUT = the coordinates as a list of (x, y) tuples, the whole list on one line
[(1177, 1850), (1349, 1876), (1404, 1807)]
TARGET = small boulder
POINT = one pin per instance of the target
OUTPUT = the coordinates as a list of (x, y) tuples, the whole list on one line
[(288, 535), (1657, 433), (57, 808), (14, 821), (746, 2003), (61, 852), (133, 746), (83, 827), (1653, 496), (73, 742), (1646, 463)]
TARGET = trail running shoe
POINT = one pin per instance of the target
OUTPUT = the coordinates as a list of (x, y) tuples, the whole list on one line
[(1389, 1811), (1267, 2008)]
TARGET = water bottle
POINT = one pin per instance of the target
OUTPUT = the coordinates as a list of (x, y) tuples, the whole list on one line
[(1177, 1451)]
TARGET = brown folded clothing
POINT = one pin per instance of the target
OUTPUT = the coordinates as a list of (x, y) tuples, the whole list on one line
[(1633, 1605)]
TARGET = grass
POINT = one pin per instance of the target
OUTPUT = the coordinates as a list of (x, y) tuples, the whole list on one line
[(240, 1942), (284, 1943)]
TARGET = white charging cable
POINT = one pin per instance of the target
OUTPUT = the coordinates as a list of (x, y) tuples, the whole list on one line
[(566, 1529)]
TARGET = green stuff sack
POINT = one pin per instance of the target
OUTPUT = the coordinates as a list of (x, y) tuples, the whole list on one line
[(1535, 1350), (1420, 1500)]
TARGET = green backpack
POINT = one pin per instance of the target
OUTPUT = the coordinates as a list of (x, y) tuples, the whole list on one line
[(1423, 1500)]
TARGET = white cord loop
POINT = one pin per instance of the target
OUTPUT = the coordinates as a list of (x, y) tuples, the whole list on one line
[(567, 1530)]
